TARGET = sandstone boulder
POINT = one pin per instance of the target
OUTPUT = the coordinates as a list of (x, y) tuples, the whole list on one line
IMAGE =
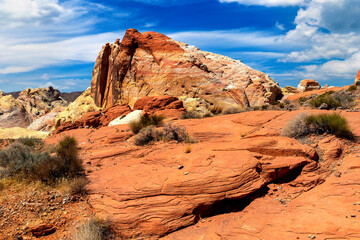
[(162, 66), (131, 117), (307, 85), (289, 90)]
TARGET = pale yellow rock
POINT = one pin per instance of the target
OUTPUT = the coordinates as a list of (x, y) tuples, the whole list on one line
[(18, 132), (195, 104), (8, 102), (82, 105)]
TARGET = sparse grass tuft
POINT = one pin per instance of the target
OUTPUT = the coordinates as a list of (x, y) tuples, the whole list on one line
[(32, 142), (94, 229), (187, 149), (302, 99), (147, 135), (232, 110), (145, 121), (191, 115), (303, 124)]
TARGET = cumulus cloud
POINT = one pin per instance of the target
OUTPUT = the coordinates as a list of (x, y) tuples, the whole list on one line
[(268, 3)]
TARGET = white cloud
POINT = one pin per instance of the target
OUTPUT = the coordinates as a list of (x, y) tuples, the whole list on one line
[(37, 55), (45, 76), (268, 3), (279, 26)]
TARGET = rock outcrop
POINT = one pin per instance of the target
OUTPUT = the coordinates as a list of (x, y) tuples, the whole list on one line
[(308, 85), (82, 105), (40, 101), (152, 64), (157, 189), (357, 78), (12, 113)]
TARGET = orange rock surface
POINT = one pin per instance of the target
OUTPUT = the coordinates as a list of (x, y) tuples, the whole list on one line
[(152, 64), (242, 180)]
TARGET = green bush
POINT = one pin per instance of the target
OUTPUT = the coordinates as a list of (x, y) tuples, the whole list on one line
[(326, 98), (264, 107), (68, 159), (357, 83), (146, 120), (329, 123), (352, 88), (302, 99), (303, 125), (282, 105)]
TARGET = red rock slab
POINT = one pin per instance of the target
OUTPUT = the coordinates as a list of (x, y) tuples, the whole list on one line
[(150, 195), (329, 211)]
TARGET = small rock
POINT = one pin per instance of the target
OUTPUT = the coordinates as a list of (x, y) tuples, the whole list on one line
[(186, 173), (52, 196), (180, 167), (311, 236), (337, 174), (352, 215)]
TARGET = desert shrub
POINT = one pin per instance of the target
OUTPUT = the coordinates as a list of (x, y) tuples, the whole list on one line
[(19, 159), (94, 229), (304, 124), (275, 103), (147, 135), (73, 186), (32, 142), (352, 88), (232, 110), (326, 98), (264, 107), (357, 83), (146, 120), (297, 127), (344, 99), (329, 123), (190, 115), (282, 105), (302, 99), (177, 133), (23, 161), (69, 162)]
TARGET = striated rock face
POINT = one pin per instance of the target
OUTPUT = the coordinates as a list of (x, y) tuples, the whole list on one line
[(151, 64), (308, 85), (357, 78), (40, 101), (12, 112)]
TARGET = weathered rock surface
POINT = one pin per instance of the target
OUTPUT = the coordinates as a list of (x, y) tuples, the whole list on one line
[(131, 117), (289, 90), (307, 85), (82, 105), (151, 64), (12, 113), (357, 78), (95, 119), (157, 189), (40, 101)]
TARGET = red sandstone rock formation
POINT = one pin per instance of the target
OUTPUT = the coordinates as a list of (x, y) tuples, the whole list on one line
[(151, 64), (157, 189), (308, 85), (357, 78)]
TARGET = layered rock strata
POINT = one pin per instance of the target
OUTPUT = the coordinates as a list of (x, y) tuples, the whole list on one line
[(152, 64)]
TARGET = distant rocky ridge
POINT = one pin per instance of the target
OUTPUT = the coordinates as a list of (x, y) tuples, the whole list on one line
[(30, 105), (152, 64)]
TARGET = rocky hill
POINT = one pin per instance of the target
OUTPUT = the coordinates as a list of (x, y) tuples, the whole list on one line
[(152, 64)]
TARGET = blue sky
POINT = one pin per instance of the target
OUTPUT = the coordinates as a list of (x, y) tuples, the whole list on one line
[(56, 42)]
